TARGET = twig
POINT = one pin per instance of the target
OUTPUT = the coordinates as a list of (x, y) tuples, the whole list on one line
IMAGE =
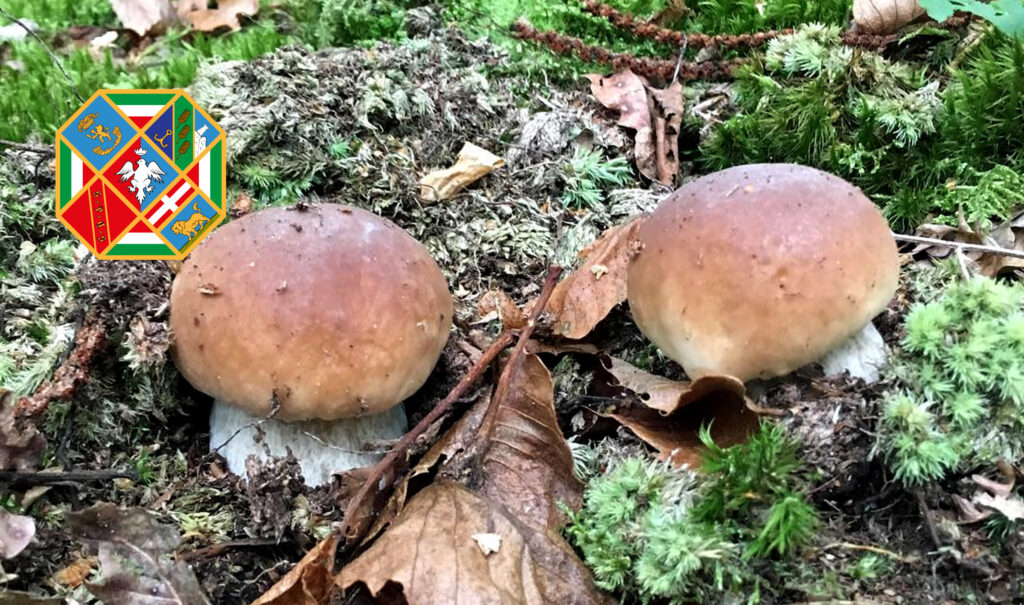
[(50, 478), (376, 478), (53, 56), (910, 560), (41, 149), (961, 245), (382, 476), (216, 549), (929, 520)]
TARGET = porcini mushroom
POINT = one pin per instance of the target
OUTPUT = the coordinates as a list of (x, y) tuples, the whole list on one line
[(757, 270), (324, 317)]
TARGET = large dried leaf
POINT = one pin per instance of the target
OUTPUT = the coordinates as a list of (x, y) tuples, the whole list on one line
[(515, 467), (656, 116), (473, 164), (16, 532), (665, 395), (1011, 507), (21, 445), (310, 582), (673, 412), (145, 16), (136, 555), (884, 16), (581, 300), (225, 15)]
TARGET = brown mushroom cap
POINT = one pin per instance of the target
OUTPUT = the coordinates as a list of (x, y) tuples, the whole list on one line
[(757, 270), (336, 311)]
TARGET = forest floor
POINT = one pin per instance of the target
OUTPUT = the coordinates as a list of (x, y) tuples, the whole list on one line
[(361, 125)]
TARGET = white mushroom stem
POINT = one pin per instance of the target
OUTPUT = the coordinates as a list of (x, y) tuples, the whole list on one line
[(322, 447), (862, 355)]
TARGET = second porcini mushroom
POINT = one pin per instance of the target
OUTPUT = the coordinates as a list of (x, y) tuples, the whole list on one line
[(323, 318), (757, 270)]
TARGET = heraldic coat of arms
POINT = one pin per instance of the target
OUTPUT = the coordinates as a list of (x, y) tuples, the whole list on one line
[(140, 174)]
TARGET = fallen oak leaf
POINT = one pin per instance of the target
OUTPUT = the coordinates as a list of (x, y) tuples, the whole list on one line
[(310, 582), (1011, 507), (225, 15), (585, 297), (655, 114), (473, 164), (503, 308), (136, 555)]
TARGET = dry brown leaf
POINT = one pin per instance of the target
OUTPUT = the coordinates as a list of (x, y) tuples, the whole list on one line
[(655, 115), (225, 15), (16, 532), (1009, 235), (1011, 507), (674, 412), (310, 582), (74, 574), (668, 119), (521, 468), (585, 296), (136, 557), (144, 16), (884, 16), (665, 395), (473, 163), (503, 308), (21, 445)]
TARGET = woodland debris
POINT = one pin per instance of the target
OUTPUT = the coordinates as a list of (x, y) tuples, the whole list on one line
[(884, 16), (586, 295), (655, 114), (525, 468), (16, 532), (473, 164), (665, 395), (310, 582), (136, 555), (668, 415), (994, 252)]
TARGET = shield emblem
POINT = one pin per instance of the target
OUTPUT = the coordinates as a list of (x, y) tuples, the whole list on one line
[(141, 174)]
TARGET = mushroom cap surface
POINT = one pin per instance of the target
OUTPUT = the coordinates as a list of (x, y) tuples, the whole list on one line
[(335, 311), (756, 270)]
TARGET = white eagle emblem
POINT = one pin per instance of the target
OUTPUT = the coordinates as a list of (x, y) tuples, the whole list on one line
[(141, 176)]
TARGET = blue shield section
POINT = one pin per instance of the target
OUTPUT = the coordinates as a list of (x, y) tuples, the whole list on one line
[(189, 221), (161, 134), (99, 133), (205, 133)]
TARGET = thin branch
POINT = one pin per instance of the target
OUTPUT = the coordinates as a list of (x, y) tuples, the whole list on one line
[(41, 149), (910, 560), (53, 56), (51, 478), (961, 245), (382, 474)]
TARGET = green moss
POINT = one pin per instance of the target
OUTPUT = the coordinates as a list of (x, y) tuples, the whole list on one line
[(659, 532), (959, 401)]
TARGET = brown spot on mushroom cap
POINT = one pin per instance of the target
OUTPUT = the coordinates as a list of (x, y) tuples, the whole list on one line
[(758, 283), (358, 329)]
